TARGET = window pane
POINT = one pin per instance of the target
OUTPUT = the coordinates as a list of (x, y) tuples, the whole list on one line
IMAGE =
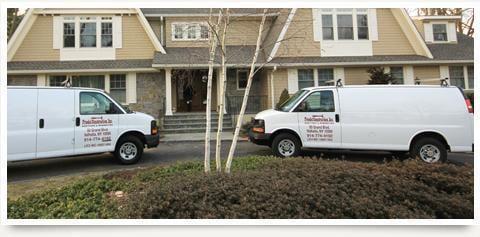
[(192, 32), (204, 32), (242, 77), (439, 32), (88, 35), (345, 27), (397, 74), (327, 27), (362, 23), (456, 76), (324, 75), (96, 103), (118, 87), (90, 81), (305, 78), (57, 80), (68, 35), (178, 31), (321, 101), (471, 75), (107, 34)]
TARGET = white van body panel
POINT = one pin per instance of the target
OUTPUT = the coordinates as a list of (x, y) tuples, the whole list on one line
[(387, 117), (22, 124), (60, 107)]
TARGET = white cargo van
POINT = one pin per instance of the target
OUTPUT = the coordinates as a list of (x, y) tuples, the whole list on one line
[(426, 121), (45, 122)]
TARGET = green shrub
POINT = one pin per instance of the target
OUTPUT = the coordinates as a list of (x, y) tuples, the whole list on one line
[(379, 76), (307, 188), (284, 96)]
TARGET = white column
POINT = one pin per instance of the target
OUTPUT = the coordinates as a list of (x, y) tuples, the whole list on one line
[(107, 83), (168, 91), (465, 77), (339, 73), (315, 77), (445, 73), (408, 75), (41, 80), (131, 84)]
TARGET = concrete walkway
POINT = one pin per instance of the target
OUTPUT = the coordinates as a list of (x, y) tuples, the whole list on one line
[(192, 137)]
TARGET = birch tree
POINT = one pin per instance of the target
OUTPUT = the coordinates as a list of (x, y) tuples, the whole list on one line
[(211, 60), (245, 96), (221, 105)]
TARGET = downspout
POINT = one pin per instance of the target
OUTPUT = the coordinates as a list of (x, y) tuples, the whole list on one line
[(272, 87), (161, 31)]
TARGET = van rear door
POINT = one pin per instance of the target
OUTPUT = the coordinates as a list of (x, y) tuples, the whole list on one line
[(96, 123), (318, 120), (22, 124), (55, 133)]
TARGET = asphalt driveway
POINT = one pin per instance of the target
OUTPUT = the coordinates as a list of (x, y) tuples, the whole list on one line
[(167, 153)]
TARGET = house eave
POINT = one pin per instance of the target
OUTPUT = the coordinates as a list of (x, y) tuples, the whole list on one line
[(54, 71)]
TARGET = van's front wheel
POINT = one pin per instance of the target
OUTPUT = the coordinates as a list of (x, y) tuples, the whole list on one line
[(286, 145), (129, 150), (429, 150)]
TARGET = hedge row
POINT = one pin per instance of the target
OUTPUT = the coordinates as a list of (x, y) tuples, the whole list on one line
[(264, 187), (306, 188)]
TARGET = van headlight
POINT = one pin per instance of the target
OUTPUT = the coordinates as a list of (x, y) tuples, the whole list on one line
[(258, 126)]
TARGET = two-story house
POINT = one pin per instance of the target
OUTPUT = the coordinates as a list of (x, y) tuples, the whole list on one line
[(153, 59)]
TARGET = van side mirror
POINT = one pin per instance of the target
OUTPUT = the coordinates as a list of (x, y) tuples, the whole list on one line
[(302, 107)]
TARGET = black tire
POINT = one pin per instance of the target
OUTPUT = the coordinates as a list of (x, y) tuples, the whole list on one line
[(439, 146), (286, 137), (123, 156)]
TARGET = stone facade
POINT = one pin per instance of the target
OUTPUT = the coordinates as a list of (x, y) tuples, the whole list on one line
[(257, 96), (22, 80), (150, 94)]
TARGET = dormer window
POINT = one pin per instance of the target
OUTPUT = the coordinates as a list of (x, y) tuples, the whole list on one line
[(190, 31), (439, 32)]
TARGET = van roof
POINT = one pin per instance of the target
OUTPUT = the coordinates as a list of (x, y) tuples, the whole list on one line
[(54, 87), (378, 86)]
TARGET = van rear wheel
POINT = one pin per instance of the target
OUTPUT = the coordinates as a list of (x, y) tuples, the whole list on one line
[(286, 145), (129, 150), (429, 150)]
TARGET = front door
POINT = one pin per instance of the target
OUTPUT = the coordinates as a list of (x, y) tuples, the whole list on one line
[(317, 120), (55, 133), (191, 90), (96, 125)]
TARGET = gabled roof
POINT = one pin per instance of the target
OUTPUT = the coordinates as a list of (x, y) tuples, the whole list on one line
[(31, 15)]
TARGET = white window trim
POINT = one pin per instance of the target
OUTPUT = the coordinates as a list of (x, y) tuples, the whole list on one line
[(354, 12), (185, 33), (451, 32), (95, 19), (446, 29), (236, 73), (130, 83)]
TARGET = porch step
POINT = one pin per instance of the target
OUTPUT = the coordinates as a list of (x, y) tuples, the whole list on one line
[(193, 123)]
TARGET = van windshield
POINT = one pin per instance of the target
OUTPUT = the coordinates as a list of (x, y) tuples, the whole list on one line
[(288, 104)]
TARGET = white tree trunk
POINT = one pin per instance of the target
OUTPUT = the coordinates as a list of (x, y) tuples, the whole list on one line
[(213, 47), (245, 96), (221, 103)]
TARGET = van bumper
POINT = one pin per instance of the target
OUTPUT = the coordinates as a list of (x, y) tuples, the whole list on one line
[(259, 138), (152, 140)]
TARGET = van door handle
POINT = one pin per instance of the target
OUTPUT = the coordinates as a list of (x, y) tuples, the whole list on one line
[(77, 121), (41, 123), (337, 118)]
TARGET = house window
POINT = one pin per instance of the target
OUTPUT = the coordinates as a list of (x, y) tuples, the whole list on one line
[(327, 27), (456, 76), (471, 74), (88, 35), (107, 36), (362, 26), (89, 81), (439, 32), (325, 76), (397, 74), (345, 27), (190, 31), (56, 80), (242, 79), (69, 35), (118, 88), (305, 78)]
